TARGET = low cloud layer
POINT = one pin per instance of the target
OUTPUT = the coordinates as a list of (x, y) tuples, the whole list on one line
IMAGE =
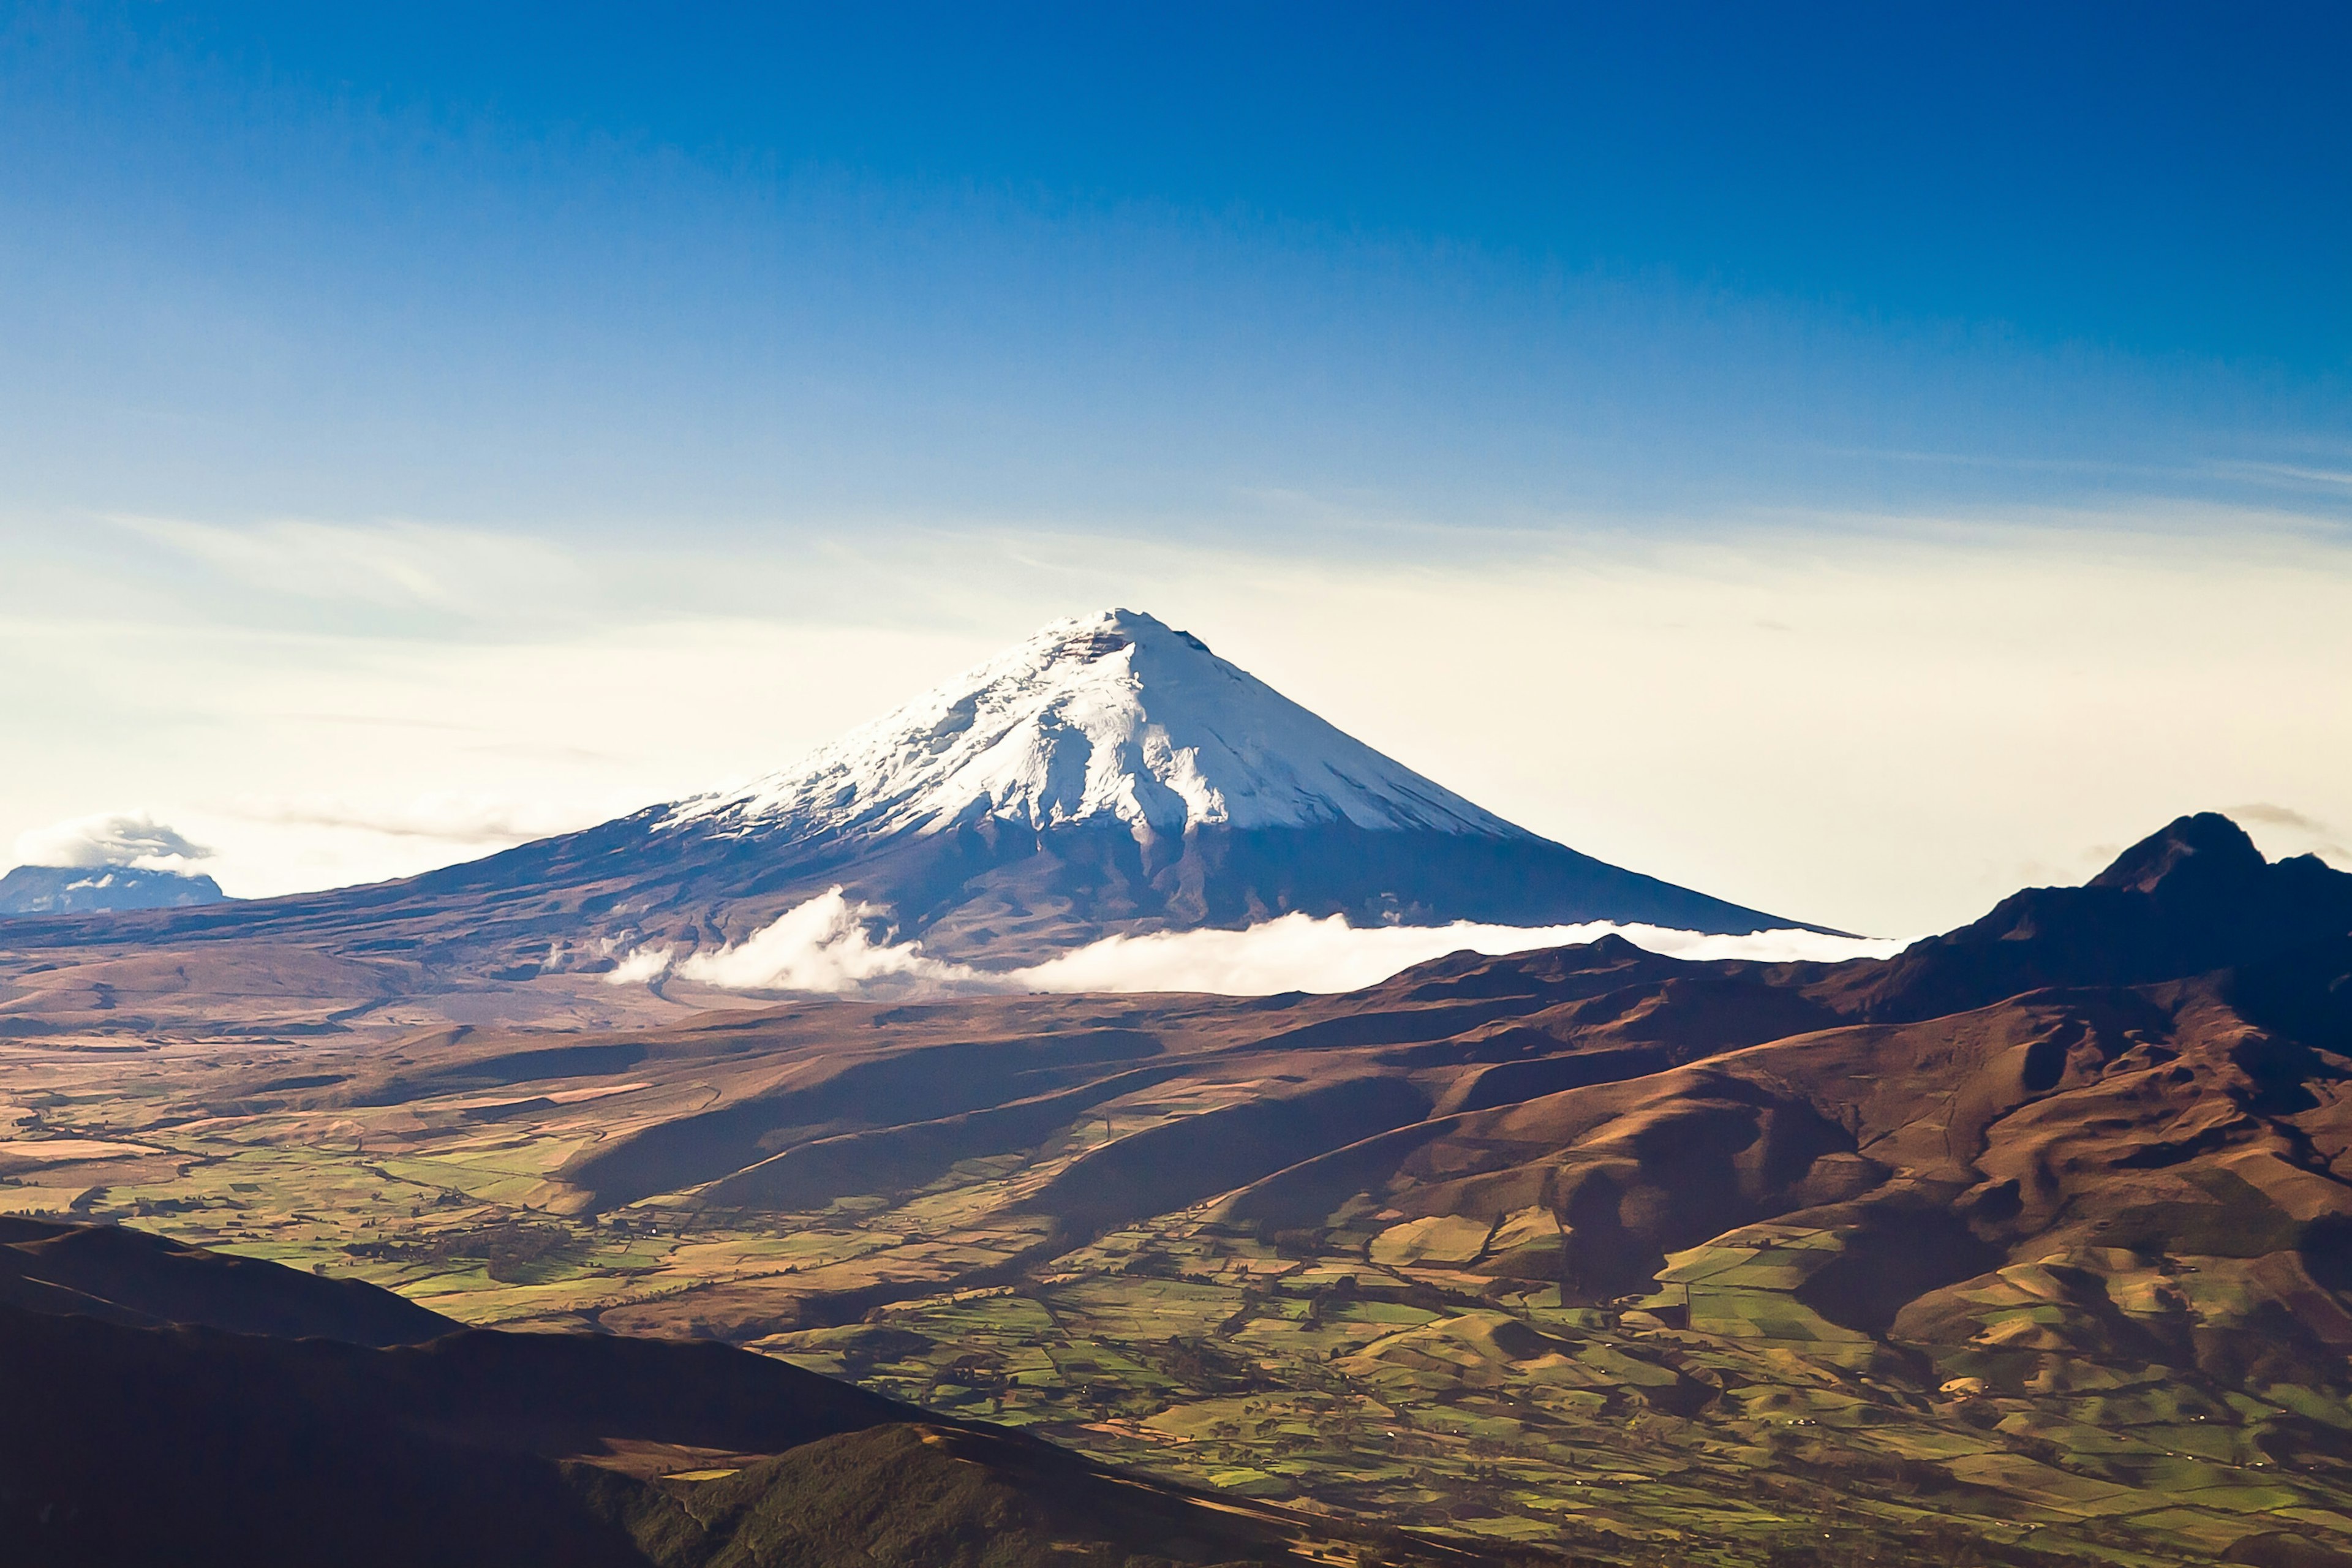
[(2265, 814), (109, 838), (828, 945), (1300, 953), (2302, 831)]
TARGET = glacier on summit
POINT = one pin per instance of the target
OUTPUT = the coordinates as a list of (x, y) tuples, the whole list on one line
[(1110, 715)]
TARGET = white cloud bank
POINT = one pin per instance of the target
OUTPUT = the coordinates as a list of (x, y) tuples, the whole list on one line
[(1297, 953), (827, 944), (109, 838)]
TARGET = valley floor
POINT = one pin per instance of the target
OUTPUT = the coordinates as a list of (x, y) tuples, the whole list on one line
[(1359, 1369)]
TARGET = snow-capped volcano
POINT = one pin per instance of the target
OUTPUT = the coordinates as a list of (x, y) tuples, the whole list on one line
[(1108, 776), (1112, 716)]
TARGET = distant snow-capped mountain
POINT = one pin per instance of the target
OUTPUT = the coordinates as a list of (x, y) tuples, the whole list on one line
[(1108, 775), (80, 890)]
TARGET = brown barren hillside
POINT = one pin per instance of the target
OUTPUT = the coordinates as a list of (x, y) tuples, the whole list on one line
[(2041, 1231)]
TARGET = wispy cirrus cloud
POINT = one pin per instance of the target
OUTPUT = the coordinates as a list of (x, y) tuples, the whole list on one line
[(389, 566), (2293, 475), (2271, 816), (449, 817), (2297, 826)]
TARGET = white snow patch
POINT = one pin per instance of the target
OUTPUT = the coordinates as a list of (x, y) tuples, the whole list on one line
[(1111, 715), (827, 945)]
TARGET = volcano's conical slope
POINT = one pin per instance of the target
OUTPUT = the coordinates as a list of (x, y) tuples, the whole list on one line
[(1109, 774)]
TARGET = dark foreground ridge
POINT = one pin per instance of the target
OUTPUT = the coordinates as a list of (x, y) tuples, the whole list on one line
[(190, 1443)]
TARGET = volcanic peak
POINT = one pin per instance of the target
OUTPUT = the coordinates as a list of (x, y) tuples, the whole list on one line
[(2205, 853), (1111, 716)]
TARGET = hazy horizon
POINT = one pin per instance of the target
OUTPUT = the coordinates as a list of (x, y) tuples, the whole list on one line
[(1853, 467)]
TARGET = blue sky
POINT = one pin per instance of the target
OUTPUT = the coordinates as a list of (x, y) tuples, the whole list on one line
[(621, 264), (319, 322)]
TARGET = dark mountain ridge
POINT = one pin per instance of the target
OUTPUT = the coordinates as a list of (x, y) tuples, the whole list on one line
[(126, 1277), (2195, 897)]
